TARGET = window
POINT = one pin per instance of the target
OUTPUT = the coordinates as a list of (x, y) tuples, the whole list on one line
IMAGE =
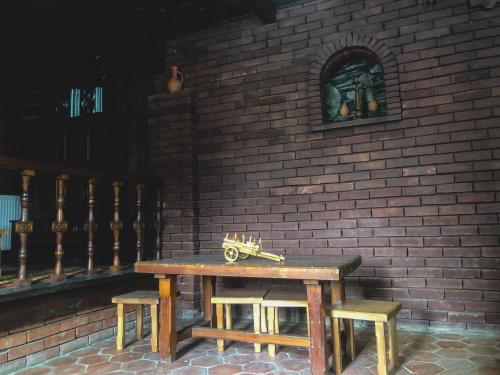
[(80, 102)]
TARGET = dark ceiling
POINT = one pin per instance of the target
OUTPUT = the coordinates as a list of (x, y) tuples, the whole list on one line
[(48, 35)]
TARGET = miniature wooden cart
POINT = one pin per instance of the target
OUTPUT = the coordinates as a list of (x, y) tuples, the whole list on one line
[(235, 248)]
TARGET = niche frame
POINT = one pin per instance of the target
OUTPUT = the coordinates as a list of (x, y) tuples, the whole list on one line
[(320, 64)]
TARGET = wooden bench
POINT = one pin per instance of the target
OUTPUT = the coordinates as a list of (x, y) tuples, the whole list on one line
[(282, 298), (137, 298), (238, 296), (379, 312)]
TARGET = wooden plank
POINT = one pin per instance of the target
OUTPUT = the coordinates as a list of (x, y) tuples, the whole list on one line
[(294, 267), (168, 333), (251, 337), (317, 351), (208, 284), (145, 297), (375, 311)]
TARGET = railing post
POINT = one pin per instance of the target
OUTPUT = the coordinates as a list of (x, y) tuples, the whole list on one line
[(23, 228), (158, 220), (59, 227), (116, 226), (91, 226), (139, 223)]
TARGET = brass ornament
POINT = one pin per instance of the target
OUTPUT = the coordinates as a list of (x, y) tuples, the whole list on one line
[(235, 247)]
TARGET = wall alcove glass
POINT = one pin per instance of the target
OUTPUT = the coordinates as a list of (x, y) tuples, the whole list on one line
[(353, 86)]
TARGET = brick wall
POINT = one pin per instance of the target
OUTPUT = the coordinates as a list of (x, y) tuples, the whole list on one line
[(29, 345), (418, 198)]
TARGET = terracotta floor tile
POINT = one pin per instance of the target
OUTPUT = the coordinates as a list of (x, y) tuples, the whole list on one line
[(206, 361), (259, 367), (84, 352), (424, 368), (126, 357), (35, 371), (103, 368), (420, 353), (140, 364), (94, 359), (61, 361), (69, 370), (224, 370)]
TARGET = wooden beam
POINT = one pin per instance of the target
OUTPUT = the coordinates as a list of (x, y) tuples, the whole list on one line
[(245, 336), (265, 10)]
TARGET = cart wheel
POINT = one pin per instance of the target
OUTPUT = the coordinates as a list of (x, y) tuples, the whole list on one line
[(244, 256), (231, 254)]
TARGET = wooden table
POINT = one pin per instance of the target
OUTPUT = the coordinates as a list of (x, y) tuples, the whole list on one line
[(314, 271)]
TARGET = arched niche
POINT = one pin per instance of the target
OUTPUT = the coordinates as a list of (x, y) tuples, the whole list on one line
[(353, 57)]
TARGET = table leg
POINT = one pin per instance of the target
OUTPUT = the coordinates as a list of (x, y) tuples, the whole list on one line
[(317, 351), (208, 284), (168, 331), (337, 290)]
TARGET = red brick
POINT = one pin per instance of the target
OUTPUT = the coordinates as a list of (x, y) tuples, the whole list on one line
[(26, 349), (12, 340)]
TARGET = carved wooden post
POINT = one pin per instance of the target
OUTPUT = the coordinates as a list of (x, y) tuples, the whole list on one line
[(24, 227), (158, 221), (116, 226), (59, 227), (139, 223), (91, 225)]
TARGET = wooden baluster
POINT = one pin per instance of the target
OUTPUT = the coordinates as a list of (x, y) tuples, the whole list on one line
[(59, 227), (24, 227), (91, 226), (158, 221), (139, 223), (116, 226)]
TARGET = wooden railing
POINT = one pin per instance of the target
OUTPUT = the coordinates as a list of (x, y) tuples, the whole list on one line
[(24, 227)]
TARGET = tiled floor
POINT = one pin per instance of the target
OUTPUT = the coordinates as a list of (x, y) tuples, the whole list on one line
[(421, 353)]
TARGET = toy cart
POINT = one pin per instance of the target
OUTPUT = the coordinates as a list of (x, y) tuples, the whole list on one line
[(235, 248)]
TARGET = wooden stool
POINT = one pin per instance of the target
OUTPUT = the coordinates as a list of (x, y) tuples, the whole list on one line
[(227, 297), (138, 298), (282, 298), (379, 312)]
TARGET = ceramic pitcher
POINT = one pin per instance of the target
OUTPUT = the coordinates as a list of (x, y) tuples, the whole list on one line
[(175, 82)]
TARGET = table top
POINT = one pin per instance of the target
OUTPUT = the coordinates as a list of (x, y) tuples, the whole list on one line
[(312, 267)]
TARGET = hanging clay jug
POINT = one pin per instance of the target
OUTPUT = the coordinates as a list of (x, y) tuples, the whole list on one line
[(344, 110), (176, 81), (372, 105)]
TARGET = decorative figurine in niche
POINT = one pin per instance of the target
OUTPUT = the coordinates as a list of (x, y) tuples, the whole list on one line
[(235, 247), (354, 89)]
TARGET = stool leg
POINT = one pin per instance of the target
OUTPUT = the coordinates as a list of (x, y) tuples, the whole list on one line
[(307, 322), (276, 323), (120, 328), (382, 358), (154, 328), (229, 316), (393, 343), (271, 348), (337, 351), (349, 330), (138, 322), (256, 325), (263, 319), (220, 325)]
